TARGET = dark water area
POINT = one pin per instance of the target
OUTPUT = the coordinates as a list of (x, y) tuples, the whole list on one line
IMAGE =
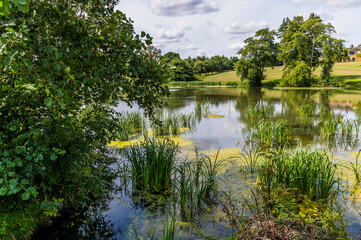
[(113, 216)]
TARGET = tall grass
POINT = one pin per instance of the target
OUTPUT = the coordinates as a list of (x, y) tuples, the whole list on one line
[(153, 169), (151, 164), (131, 122), (259, 111), (269, 133), (168, 232), (250, 157), (356, 168), (310, 171), (307, 110), (196, 183)]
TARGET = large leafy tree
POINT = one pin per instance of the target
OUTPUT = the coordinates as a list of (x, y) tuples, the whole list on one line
[(64, 65), (301, 47), (182, 70), (259, 52)]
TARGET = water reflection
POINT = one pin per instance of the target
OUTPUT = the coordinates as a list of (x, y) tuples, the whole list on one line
[(111, 216)]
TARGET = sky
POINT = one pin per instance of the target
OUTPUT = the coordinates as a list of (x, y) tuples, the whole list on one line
[(219, 27)]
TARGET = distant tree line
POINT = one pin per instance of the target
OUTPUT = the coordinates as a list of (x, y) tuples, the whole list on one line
[(302, 46), (187, 69)]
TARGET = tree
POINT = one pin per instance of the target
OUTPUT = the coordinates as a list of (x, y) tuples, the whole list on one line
[(258, 53), (332, 51), (169, 56), (181, 70), (301, 41), (153, 53), (64, 68), (6, 6), (199, 67)]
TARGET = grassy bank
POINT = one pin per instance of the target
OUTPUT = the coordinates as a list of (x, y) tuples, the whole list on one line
[(347, 74)]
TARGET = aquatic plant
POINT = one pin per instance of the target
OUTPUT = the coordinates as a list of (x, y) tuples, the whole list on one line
[(196, 183), (151, 164), (201, 109), (307, 110), (259, 111), (168, 232), (269, 133), (310, 171), (330, 125), (131, 122), (356, 168), (250, 157)]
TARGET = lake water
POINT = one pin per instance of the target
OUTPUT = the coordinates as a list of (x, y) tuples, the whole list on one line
[(113, 215)]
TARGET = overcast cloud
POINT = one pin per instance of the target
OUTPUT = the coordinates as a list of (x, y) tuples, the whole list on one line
[(174, 8), (219, 27)]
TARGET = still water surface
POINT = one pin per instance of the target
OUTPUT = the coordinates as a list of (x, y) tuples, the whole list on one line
[(114, 214)]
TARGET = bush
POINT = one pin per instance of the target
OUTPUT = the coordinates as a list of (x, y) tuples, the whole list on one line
[(297, 76)]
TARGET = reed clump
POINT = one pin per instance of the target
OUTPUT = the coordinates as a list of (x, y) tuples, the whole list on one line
[(356, 168), (269, 134), (151, 165), (196, 183), (154, 170), (307, 110), (259, 111), (309, 171)]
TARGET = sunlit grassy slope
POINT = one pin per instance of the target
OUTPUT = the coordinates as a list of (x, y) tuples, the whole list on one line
[(347, 74)]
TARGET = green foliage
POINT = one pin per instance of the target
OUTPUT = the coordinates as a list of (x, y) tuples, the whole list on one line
[(65, 65), (168, 232), (302, 44), (199, 67), (311, 172), (259, 111), (269, 134), (7, 5), (356, 168), (297, 76), (181, 70), (151, 165), (259, 52)]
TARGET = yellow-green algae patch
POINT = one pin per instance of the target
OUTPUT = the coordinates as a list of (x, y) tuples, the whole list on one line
[(212, 115), (177, 139)]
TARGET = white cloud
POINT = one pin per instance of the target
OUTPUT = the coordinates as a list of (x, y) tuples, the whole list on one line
[(201, 53), (173, 8), (249, 27), (235, 46), (335, 3), (190, 47), (170, 34)]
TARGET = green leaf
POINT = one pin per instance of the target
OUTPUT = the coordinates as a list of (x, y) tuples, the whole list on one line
[(53, 157), (11, 174), (6, 153), (67, 69), (48, 101), (22, 5), (25, 196), (24, 181), (3, 191), (5, 7)]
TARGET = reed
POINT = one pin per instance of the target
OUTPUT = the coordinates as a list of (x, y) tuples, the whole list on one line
[(330, 125), (356, 168), (269, 133), (259, 111), (196, 184), (168, 233), (250, 157), (151, 165), (307, 110), (310, 171)]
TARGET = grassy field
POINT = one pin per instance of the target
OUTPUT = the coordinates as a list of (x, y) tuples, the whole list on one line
[(347, 74)]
